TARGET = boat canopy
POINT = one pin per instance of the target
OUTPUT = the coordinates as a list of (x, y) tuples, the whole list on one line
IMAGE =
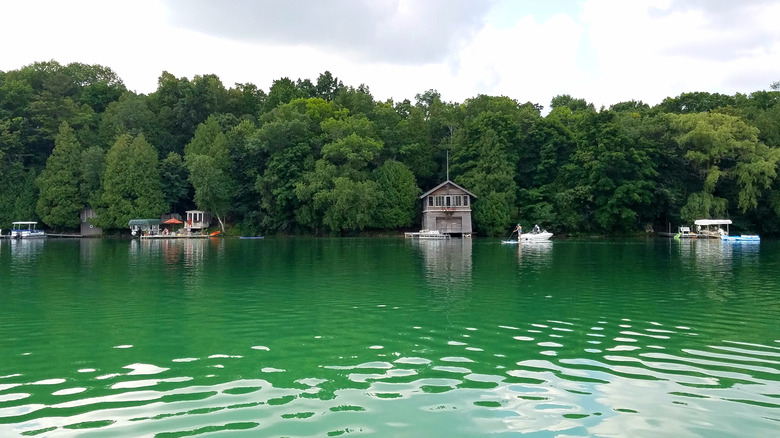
[(713, 222), (25, 223), (143, 222)]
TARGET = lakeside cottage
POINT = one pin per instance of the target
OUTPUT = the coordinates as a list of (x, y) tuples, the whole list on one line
[(197, 220), (447, 209)]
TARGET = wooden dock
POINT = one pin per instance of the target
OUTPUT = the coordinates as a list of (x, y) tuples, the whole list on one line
[(175, 236)]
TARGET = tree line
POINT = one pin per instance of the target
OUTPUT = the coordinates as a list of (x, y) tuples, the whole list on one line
[(321, 157)]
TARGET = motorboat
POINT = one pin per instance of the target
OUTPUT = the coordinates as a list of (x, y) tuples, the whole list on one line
[(537, 236), (26, 230)]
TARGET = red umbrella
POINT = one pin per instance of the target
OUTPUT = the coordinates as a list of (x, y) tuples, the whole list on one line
[(172, 221)]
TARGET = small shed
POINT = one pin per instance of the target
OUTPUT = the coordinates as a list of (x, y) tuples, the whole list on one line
[(149, 227), (87, 229), (197, 220), (447, 209)]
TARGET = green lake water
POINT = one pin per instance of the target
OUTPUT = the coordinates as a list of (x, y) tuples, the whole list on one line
[(388, 337)]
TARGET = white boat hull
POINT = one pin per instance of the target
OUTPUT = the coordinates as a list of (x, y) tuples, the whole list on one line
[(536, 237), (27, 234), (428, 235)]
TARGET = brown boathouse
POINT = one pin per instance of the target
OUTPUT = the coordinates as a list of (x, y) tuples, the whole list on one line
[(447, 209)]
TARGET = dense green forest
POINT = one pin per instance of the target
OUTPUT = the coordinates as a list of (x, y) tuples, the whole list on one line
[(321, 157)]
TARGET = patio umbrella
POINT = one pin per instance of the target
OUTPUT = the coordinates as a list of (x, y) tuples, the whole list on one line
[(172, 221)]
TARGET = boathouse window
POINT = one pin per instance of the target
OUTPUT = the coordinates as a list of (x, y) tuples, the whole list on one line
[(430, 201), (457, 201), (466, 201), (447, 201), (440, 201)]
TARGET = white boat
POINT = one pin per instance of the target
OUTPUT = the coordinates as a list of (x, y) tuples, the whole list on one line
[(428, 235), (539, 236), (26, 230), (713, 228)]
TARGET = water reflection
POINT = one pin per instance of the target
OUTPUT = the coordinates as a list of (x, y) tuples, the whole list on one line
[(188, 253), (535, 254), (447, 262), (25, 250)]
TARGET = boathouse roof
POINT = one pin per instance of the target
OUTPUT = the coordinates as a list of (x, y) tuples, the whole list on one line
[(442, 185)]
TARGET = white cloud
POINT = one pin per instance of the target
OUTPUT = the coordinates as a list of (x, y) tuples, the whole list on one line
[(605, 51), (527, 61), (650, 50)]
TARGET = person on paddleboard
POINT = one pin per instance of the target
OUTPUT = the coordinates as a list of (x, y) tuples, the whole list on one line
[(519, 230)]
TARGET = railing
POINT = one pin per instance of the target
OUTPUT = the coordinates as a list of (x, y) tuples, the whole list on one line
[(447, 209)]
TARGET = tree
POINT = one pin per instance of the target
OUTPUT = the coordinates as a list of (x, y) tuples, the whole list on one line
[(175, 181), (618, 172), (245, 100), (131, 184), (397, 195), (93, 167), (328, 86), (687, 103), (208, 160), (489, 175), (574, 105), (485, 155), (59, 200), (128, 115), (722, 148), (347, 159), (282, 91)]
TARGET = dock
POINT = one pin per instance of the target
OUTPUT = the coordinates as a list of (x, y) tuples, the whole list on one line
[(173, 236)]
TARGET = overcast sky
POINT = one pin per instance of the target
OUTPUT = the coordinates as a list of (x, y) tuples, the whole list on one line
[(606, 51)]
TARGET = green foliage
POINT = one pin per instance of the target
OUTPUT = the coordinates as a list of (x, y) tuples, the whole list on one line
[(175, 182), (349, 205), (131, 184), (60, 200), (722, 149), (128, 115), (324, 157), (93, 167), (207, 158), (697, 102), (396, 196)]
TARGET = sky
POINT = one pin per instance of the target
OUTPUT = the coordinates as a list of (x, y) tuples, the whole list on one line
[(605, 51)]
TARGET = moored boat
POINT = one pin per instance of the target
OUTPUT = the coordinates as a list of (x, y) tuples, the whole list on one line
[(26, 230), (713, 228), (428, 235), (742, 238)]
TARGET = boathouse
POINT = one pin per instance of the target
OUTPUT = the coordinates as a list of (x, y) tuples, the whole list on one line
[(447, 209), (87, 228)]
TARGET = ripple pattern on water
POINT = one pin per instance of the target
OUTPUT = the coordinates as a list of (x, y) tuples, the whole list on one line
[(554, 349)]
